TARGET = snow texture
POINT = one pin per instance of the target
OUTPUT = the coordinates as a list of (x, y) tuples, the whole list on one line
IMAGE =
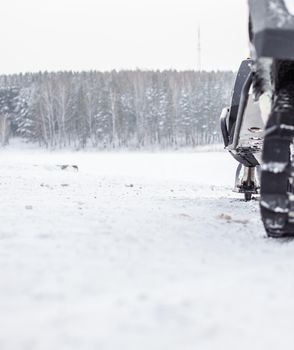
[(274, 167), (279, 12), (137, 251)]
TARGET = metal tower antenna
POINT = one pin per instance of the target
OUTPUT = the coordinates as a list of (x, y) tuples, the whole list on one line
[(199, 67)]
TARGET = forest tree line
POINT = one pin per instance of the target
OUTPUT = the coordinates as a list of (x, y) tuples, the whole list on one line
[(129, 109)]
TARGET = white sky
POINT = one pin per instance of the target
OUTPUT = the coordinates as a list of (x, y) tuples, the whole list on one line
[(121, 34)]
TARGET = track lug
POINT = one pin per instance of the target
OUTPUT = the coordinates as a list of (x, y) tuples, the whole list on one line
[(291, 209), (275, 203)]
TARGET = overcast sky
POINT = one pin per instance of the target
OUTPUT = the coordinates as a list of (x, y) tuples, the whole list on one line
[(121, 34)]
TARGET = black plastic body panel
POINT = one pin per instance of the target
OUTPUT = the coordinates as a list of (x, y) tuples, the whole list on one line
[(242, 76), (230, 119), (246, 158), (224, 129)]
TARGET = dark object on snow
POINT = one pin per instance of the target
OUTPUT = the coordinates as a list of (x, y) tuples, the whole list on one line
[(242, 127), (272, 36), (271, 31), (68, 167)]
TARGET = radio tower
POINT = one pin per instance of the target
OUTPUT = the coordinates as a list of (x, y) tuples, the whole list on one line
[(199, 51)]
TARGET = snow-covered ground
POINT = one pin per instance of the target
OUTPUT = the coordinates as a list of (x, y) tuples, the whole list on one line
[(137, 251)]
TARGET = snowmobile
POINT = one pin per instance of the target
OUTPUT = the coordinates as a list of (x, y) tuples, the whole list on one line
[(258, 127), (242, 129)]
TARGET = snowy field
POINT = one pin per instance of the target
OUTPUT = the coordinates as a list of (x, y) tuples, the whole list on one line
[(137, 251)]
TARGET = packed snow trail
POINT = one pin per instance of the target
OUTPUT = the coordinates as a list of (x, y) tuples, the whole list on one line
[(137, 251)]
